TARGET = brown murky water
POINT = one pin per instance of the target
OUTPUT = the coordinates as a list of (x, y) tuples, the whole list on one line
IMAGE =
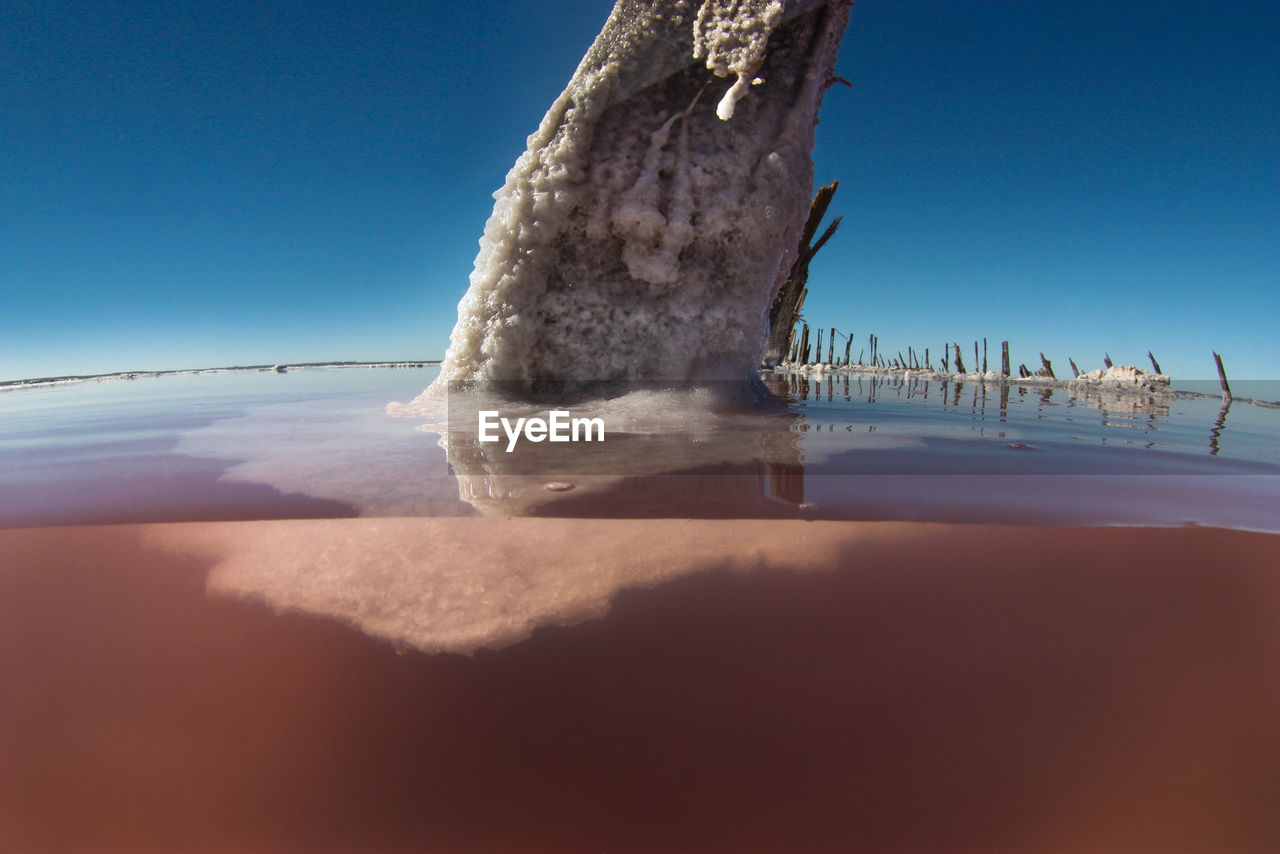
[(838, 686)]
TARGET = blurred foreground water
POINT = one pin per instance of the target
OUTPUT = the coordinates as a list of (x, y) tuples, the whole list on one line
[(256, 612)]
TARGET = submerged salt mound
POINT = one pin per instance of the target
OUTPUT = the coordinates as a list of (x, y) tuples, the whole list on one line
[(1126, 378), (641, 235)]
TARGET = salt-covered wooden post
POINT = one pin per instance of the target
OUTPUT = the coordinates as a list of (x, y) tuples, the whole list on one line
[(1048, 368), (564, 241), (959, 361), (1004, 358), (1222, 378)]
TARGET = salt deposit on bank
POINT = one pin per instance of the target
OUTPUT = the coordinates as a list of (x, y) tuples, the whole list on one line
[(1117, 378)]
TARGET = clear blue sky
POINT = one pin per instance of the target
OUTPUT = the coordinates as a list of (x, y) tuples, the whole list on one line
[(189, 184)]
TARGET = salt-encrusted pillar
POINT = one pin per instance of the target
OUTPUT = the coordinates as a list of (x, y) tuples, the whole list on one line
[(645, 230)]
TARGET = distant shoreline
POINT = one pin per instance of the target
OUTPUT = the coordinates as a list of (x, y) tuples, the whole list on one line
[(281, 368), (811, 370)]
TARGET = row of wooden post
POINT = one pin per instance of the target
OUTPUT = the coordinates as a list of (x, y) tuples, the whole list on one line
[(800, 353), (784, 313)]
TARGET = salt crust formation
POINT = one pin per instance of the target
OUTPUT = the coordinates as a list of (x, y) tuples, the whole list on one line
[(1125, 378), (651, 219), (1119, 387), (459, 585)]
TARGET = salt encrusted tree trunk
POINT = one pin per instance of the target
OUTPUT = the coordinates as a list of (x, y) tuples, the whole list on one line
[(648, 226)]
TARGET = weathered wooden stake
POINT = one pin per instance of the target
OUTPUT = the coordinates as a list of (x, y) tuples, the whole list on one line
[(1023, 372), (975, 356), (1074, 369), (1222, 378), (959, 362), (817, 351), (984, 355), (946, 357), (785, 310), (1048, 368), (804, 345), (831, 348), (1106, 359), (1004, 358), (848, 343), (1154, 363), (927, 366)]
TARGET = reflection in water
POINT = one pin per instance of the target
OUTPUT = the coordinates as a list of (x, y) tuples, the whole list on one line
[(702, 452), (1218, 426), (320, 443), (695, 432)]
